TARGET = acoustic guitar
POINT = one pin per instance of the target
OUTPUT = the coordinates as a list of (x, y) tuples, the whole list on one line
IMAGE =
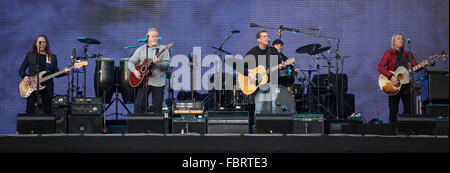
[(403, 77), (249, 87)]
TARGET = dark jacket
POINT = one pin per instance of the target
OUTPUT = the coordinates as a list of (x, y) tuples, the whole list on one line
[(30, 63)]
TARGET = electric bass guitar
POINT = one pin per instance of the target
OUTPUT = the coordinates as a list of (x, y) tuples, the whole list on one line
[(145, 68), (25, 88), (402, 75), (249, 87)]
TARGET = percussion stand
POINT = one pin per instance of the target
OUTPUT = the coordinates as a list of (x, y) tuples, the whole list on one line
[(116, 100)]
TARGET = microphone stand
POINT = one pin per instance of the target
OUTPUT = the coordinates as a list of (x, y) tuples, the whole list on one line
[(144, 80), (222, 61), (38, 84), (411, 80)]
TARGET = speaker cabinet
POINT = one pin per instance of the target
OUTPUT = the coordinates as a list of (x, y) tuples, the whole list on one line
[(189, 125), (308, 124), (36, 123), (409, 124), (146, 123), (273, 124), (81, 124), (231, 122)]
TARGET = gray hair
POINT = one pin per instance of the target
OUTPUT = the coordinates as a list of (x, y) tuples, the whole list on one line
[(393, 37), (152, 29)]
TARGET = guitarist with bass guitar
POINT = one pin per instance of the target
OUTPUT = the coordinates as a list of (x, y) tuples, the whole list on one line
[(153, 81), (393, 59), (38, 60)]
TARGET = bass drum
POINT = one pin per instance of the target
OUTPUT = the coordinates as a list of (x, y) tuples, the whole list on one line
[(128, 92), (284, 101), (104, 78)]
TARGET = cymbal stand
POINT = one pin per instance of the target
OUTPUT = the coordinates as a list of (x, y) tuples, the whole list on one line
[(85, 48), (318, 83), (302, 80)]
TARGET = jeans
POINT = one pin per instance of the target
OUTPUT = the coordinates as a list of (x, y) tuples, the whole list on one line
[(266, 100)]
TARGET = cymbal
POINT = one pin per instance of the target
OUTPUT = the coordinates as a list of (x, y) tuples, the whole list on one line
[(320, 50), (88, 40), (308, 48), (309, 70), (221, 49)]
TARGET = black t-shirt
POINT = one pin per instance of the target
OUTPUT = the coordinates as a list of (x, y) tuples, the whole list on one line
[(256, 51), (401, 60)]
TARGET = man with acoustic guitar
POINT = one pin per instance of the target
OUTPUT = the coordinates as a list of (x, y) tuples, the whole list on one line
[(38, 60), (263, 95), (393, 59), (154, 82)]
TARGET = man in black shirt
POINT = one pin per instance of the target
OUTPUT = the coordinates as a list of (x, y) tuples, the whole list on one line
[(263, 95), (47, 62), (286, 72)]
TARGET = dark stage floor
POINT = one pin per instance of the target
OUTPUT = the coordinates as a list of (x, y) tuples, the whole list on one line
[(192, 143)]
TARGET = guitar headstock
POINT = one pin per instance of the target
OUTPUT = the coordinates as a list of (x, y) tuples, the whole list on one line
[(80, 64), (289, 61), (170, 45)]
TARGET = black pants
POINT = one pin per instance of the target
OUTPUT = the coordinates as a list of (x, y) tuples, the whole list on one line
[(46, 99), (394, 101), (140, 104)]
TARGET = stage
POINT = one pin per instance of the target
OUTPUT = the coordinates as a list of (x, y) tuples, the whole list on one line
[(222, 143)]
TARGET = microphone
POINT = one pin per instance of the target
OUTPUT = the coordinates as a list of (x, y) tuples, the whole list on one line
[(253, 25), (74, 53), (129, 47), (235, 31), (408, 41), (289, 29), (314, 28)]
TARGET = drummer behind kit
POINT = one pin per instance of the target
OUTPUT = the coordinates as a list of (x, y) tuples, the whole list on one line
[(25, 88), (403, 77)]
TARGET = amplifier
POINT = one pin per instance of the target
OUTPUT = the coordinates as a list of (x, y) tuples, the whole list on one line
[(416, 124), (36, 123), (187, 107), (60, 100), (437, 85), (437, 110), (344, 126), (83, 123), (308, 123), (442, 126), (220, 122), (188, 125), (274, 123), (146, 123), (87, 109), (87, 100)]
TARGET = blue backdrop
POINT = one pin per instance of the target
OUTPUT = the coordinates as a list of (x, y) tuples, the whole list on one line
[(364, 27)]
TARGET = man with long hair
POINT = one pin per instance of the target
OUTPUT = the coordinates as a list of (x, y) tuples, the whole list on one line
[(40, 59)]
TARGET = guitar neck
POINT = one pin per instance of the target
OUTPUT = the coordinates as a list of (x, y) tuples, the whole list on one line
[(417, 67), (52, 75)]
